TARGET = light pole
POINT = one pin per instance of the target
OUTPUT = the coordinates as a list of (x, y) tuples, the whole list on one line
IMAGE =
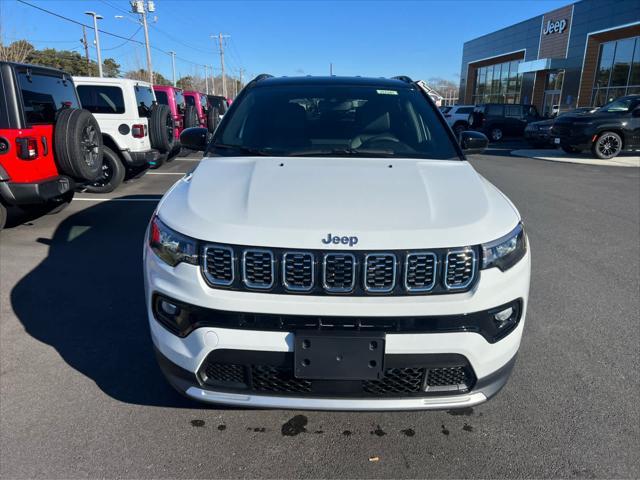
[(173, 66), (142, 8), (97, 17)]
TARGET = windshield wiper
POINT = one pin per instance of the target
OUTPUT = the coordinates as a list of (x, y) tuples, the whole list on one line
[(366, 152), (243, 149)]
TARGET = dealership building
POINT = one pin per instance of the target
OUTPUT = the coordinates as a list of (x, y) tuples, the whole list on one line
[(583, 54)]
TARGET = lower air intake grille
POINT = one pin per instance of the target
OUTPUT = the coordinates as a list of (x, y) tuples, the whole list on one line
[(339, 272), (460, 269), (449, 376), (221, 373), (258, 268), (267, 378), (395, 381), (219, 265)]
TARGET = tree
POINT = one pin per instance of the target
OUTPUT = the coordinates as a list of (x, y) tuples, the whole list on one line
[(17, 51), (143, 75), (186, 83), (110, 68)]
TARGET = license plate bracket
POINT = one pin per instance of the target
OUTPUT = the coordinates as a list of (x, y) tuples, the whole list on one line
[(339, 357)]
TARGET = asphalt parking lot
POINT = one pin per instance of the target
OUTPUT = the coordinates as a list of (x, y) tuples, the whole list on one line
[(81, 395)]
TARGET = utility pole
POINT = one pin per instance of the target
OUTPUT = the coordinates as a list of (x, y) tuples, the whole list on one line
[(206, 79), (241, 71), (97, 17), (221, 46), (142, 8), (213, 80), (86, 49), (331, 69), (173, 66)]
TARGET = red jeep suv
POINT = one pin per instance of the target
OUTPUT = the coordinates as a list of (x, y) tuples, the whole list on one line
[(48, 145)]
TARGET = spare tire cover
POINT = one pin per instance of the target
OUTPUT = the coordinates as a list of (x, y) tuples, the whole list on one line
[(77, 144), (161, 128)]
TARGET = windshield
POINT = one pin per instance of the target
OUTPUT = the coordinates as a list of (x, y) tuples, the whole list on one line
[(621, 105), (317, 120)]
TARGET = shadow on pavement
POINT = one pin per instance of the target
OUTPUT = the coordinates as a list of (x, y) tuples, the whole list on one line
[(86, 300)]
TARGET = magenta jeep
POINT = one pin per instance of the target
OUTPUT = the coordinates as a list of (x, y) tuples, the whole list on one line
[(174, 99), (199, 103)]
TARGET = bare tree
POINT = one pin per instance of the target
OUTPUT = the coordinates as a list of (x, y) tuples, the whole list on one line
[(17, 51)]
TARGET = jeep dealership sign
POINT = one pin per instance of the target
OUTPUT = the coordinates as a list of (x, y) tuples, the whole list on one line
[(555, 27), (554, 33)]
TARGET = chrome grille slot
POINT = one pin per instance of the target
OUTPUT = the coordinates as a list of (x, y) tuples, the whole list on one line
[(258, 268), (460, 268), (298, 271), (420, 271), (218, 265), (380, 272), (339, 272)]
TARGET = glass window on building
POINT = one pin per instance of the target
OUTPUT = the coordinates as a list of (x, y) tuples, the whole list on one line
[(499, 83), (618, 72)]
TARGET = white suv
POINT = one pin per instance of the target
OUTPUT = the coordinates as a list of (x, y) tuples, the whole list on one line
[(458, 117), (335, 250), (137, 132)]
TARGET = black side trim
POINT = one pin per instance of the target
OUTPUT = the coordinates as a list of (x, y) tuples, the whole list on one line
[(189, 317)]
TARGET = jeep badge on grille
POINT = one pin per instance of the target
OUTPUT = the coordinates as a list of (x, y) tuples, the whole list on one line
[(351, 241)]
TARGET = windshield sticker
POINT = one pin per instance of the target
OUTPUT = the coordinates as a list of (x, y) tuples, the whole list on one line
[(387, 92)]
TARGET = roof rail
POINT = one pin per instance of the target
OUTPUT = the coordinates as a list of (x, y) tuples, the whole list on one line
[(403, 78), (259, 78)]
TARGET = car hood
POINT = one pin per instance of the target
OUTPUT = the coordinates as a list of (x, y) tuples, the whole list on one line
[(542, 123), (297, 202)]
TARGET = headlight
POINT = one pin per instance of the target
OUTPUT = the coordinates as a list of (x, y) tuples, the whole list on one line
[(171, 246), (505, 252)]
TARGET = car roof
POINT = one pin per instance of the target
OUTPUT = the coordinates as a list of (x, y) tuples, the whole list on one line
[(333, 80), (38, 67), (110, 80)]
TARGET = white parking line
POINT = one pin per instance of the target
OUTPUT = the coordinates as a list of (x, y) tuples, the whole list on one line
[(90, 199), (166, 173)]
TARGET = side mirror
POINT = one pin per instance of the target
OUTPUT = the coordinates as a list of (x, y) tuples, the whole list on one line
[(473, 142), (195, 138)]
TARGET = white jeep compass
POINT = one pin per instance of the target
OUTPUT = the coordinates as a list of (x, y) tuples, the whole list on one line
[(335, 250)]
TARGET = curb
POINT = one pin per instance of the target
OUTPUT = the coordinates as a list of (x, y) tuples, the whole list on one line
[(558, 156)]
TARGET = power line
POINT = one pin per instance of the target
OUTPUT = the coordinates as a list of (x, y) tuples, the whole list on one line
[(125, 42)]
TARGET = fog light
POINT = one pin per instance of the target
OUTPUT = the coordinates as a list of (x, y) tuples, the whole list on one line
[(169, 308), (503, 317)]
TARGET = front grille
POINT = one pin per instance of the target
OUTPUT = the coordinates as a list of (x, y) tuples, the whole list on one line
[(339, 272), (356, 273), (561, 130), (272, 373), (380, 272), (420, 272), (460, 269), (396, 381), (258, 268), (218, 265), (298, 271)]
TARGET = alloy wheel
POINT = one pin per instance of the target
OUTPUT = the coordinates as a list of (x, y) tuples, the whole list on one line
[(608, 145), (90, 146)]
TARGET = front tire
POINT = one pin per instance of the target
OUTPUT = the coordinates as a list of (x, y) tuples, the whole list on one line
[(607, 145), (458, 128), (496, 134), (113, 173)]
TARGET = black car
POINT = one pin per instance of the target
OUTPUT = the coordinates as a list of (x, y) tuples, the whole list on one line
[(497, 120), (606, 132), (538, 134)]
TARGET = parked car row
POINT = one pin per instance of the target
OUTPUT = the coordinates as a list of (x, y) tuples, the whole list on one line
[(605, 131), (60, 134)]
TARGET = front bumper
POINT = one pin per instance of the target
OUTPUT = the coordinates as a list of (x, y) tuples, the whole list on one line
[(50, 189), (537, 136), (182, 358)]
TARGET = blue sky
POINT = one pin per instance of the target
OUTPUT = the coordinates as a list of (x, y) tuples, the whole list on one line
[(422, 39)]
